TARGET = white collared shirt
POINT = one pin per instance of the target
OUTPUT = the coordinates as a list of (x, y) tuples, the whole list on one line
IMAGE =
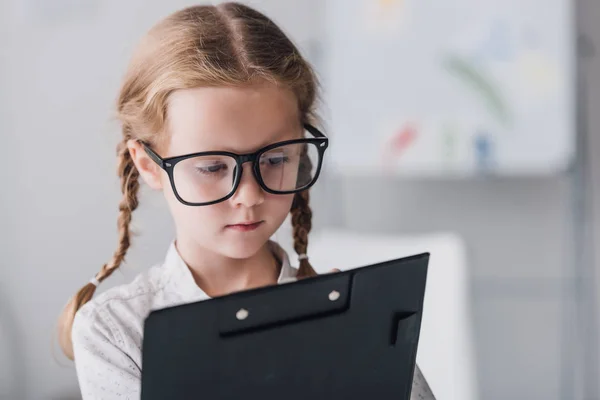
[(107, 332)]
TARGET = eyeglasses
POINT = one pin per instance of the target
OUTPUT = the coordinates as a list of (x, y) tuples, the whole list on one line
[(202, 179)]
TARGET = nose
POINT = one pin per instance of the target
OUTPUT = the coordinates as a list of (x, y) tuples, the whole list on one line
[(248, 193)]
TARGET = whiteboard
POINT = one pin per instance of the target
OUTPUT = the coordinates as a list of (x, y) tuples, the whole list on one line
[(417, 87)]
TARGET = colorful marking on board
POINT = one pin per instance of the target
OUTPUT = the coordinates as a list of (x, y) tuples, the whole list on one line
[(476, 79), (398, 144), (484, 151)]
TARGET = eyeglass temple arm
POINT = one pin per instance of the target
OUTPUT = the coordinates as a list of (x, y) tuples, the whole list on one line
[(155, 157), (314, 131)]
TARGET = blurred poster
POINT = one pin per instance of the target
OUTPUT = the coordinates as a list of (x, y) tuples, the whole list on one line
[(451, 88)]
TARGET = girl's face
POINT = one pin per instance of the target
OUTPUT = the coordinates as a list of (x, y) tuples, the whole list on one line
[(239, 120)]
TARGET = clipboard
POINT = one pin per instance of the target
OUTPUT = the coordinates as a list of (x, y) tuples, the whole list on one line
[(347, 335)]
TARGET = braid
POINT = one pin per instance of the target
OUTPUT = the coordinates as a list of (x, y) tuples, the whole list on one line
[(129, 186), (302, 224)]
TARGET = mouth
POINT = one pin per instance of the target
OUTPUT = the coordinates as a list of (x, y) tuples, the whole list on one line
[(245, 226)]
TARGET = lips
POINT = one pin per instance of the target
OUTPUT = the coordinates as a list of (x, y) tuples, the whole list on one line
[(245, 226)]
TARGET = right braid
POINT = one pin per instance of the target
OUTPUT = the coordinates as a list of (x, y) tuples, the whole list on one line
[(302, 224), (129, 187), (302, 216)]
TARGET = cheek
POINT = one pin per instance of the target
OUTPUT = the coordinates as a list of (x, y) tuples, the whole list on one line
[(193, 219), (278, 206)]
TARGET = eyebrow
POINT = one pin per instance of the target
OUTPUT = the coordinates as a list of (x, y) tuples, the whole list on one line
[(279, 136), (160, 160)]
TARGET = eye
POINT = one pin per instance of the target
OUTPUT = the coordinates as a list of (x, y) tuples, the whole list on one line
[(275, 159), (211, 169)]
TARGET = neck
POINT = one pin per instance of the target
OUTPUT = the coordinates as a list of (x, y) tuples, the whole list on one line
[(218, 275)]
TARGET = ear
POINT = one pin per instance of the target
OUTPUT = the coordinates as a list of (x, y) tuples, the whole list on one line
[(150, 172)]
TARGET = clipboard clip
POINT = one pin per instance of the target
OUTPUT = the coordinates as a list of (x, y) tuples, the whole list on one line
[(285, 304)]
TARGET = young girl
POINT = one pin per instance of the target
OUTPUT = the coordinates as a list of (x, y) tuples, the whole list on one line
[(217, 112)]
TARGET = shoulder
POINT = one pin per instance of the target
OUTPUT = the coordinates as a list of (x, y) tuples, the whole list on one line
[(107, 337), (117, 315), (420, 387)]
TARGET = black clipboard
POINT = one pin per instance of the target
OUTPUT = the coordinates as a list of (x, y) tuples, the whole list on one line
[(347, 335)]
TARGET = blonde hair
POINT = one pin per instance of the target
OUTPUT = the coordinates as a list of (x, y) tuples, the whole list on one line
[(225, 45)]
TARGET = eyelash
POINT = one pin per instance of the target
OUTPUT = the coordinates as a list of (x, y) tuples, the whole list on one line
[(222, 167), (207, 171), (281, 159)]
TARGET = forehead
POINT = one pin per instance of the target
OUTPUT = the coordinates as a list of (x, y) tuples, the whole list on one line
[(238, 119)]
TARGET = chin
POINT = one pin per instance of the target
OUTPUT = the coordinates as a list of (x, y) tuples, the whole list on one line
[(241, 248)]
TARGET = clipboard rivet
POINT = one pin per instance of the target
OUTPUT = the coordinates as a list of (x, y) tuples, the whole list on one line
[(242, 314), (334, 295)]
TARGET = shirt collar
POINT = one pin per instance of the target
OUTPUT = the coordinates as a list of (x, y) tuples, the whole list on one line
[(182, 282)]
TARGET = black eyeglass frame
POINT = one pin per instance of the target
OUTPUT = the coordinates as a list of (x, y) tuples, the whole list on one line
[(320, 141)]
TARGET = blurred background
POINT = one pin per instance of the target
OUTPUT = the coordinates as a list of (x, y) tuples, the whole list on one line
[(465, 128)]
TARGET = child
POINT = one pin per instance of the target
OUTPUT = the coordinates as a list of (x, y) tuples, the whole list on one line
[(217, 112)]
